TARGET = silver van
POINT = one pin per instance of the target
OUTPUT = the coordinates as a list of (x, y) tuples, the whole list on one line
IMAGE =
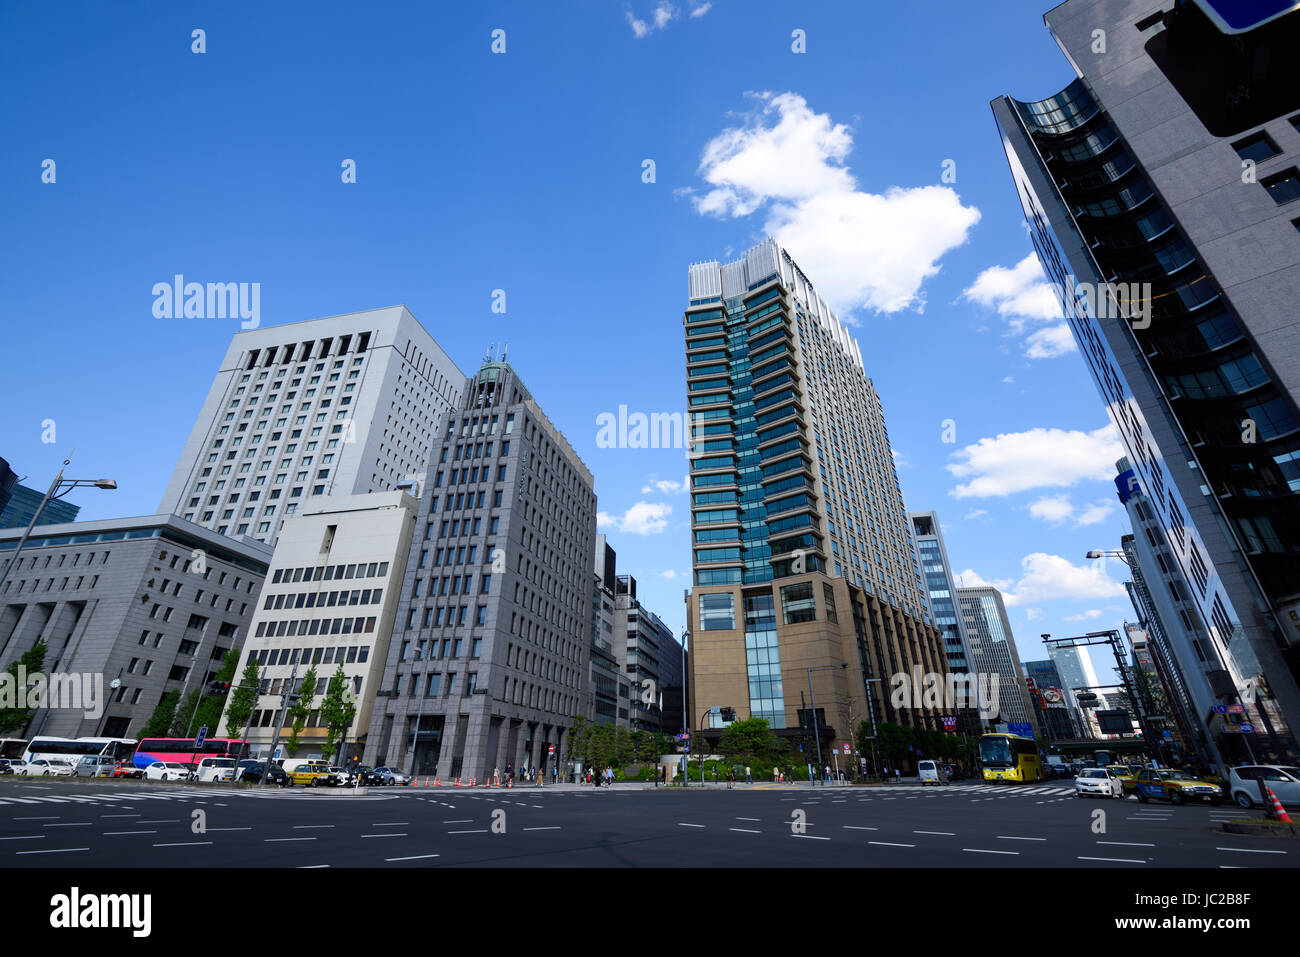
[(94, 766), (931, 773)]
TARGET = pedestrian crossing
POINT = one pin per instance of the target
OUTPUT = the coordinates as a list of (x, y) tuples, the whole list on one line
[(1006, 790)]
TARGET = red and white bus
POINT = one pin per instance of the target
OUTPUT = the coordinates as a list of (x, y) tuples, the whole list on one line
[(184, 750)]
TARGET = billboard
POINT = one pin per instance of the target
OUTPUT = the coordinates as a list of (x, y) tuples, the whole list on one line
[(1115, 722)]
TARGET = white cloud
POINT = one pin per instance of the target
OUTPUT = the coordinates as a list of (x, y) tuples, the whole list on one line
[(1008, 379), (1095, 513), (866, 249), (1058, 509), (1051, 342), (1015, 461), (1033, 614), (1053, 578), (1054, 509), (1023, 297), (973, 579), (643, 518), (660, 17), (701, 10), (1048, 578), (666, 486), (669, 574), (976, 513), (1086, 616)]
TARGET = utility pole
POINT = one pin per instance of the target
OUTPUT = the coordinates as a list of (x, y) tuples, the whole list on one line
[(286, 696)]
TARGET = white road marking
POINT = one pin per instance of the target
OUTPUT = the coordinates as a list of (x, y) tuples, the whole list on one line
[(889, 844), (281, 840), (468, 820), (980, 850), (394, 824), (185, 844), (810, 837), (854, 827), (415, 857), (61, 850), (1004, 837), (680, 824), (390, 834), (938, 833), (1113, 860), (120, 833), (484, 831), (218, 829), (555, 827), (25, 837), (50, 817), (746, 830), (310, 827), (1126, 843), (1247, 850)]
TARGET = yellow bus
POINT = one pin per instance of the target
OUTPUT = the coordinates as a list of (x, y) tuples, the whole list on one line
[(1009, 757)]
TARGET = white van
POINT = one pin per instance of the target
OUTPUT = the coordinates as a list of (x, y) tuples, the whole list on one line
[(931, 773), (216, 769)]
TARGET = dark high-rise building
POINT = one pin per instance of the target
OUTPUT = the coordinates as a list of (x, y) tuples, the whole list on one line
[(806, 580), (497, 596), (23, 503), (1163, 195)]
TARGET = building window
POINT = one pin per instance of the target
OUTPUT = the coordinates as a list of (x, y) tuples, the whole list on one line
[(797, 603), (1284, 187), (1256, 148), (718, 612)]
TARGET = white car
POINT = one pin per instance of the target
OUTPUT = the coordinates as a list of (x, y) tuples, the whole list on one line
[(1282, 780), (168, 771), (40, 767), (216, 769), (931, 773), (1101, 781), (343, 777)]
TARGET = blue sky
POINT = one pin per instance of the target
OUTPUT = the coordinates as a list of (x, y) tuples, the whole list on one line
[(523, 171)]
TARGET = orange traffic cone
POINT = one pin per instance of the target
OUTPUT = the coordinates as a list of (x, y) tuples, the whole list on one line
[(1279, 812), (437, 782), (511, 782)]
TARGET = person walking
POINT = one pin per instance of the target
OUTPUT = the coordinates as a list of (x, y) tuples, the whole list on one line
[(749, 778), (898, 776)]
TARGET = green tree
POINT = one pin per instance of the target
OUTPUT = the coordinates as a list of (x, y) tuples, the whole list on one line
[(243, 698), (209, 715), (183, 718), (337, 711), (160, 722), (33, 660), (578, 735), (623, 752), (751, 738), (300, 712)]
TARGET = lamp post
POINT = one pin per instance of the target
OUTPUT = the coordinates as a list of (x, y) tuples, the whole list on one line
[(58, 488)]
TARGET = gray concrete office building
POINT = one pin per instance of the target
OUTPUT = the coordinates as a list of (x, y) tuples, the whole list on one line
[(1162, 191), (338, 406), (497, 590), (153, 602), (993, 652)]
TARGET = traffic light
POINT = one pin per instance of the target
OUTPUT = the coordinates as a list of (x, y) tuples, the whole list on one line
[(728, 714), (218, 687)]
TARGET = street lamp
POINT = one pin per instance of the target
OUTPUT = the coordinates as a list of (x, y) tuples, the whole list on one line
[(1104, 553), (58, 488)]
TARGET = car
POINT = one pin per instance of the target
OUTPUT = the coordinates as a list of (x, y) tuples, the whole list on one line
[(125, 769), (216, 769), (169, 771), (389, 776), (253, 771), (311, 775), (94, 766), (931, 773), (342, 777), (40, 767), (1127, 774), (1101, 781), (1283, 780), (1165, 784), (8, 765)]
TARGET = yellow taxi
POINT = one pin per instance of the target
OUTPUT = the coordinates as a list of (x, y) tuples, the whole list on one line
[(1166, 784), (311, 775), (1127, 774)]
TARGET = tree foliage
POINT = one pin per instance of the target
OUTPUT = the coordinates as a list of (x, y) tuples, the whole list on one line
[(243, 699), (337, 711), (301, 711), (160, 722), (33, 660)]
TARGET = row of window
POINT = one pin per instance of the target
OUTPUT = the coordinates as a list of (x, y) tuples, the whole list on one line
[(330, 599), (334, 655), (315, 626), (330, 572)]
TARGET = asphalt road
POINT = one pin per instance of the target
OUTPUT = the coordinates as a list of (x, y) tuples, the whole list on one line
[(61, 823)]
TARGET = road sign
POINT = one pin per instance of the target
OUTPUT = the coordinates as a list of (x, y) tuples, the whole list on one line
[(846, 749), (1220, 709), (550, 749), (1022, 728), (687, 749), (1239, 16), (203, 736), (1236, 709)]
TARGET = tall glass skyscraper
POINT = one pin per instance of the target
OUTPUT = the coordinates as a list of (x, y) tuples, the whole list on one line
[(1163, 196), (807, 583), (993, 650)]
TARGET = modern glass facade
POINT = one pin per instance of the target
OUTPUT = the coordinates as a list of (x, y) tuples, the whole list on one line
[(24, 501)]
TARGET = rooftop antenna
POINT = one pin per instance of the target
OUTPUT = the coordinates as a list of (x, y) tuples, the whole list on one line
[(504, 350)]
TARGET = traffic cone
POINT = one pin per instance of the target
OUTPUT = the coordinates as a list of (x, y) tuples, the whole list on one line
[(1279, 812), (437, 782), (511, 782)]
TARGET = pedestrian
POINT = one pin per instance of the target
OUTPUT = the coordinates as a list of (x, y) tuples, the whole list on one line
[(898, 776), (510, 771), (555, 774), (749, 778)]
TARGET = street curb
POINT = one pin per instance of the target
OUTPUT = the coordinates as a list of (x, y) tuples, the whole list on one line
[(1262, 828)]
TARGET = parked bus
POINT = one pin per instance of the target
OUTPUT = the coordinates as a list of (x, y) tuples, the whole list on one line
[(184, 750), (1009, 757), (73, 750), (12, 748)]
